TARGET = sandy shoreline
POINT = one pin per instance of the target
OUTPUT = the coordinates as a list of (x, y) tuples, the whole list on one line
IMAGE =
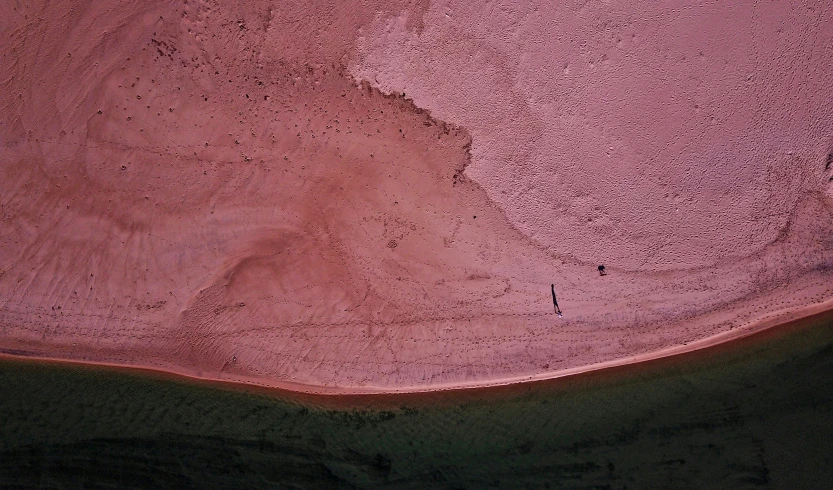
[(360, 396), (203, 191)]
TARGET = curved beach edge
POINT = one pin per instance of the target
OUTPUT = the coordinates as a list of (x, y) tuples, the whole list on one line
[(773, 322)]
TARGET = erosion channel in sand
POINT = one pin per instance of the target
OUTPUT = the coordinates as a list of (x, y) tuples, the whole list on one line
[(237, 193)]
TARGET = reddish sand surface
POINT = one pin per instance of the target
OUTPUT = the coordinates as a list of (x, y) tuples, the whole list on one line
[(375, 197)]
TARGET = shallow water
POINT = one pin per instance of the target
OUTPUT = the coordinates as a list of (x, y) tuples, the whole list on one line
[(757, 415)]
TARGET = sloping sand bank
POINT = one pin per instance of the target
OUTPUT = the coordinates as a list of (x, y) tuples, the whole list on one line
[(207, 190), (367, 396)]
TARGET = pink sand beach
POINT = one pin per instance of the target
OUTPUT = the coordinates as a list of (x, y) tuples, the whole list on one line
[(374, 197)]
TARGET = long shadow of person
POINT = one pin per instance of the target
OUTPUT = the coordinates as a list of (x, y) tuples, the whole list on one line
[(555, 301)]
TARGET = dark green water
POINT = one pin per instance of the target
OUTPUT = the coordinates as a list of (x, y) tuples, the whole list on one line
[(760, 416)]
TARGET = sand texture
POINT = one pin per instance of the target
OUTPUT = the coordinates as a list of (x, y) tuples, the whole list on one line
[(376, 196)]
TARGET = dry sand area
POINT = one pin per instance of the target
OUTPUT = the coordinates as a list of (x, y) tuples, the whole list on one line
[(376, 196)]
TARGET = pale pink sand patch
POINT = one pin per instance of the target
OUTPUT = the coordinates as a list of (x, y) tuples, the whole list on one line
[(652, 136)]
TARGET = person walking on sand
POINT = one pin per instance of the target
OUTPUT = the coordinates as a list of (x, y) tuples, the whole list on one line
[(555, 302)]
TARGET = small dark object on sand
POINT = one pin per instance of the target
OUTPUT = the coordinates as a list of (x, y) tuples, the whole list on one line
[(602, 271), (555, 302)]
